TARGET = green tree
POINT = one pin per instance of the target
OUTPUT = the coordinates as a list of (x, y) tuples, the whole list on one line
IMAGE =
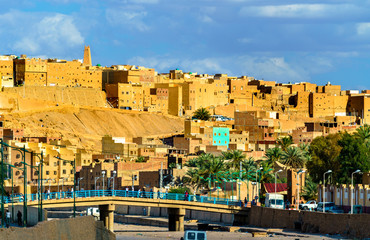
[(285, 142), (353, 155), (192, 163), (363, 133), (192, 178), (180, 190), (293, 157), (140, 159), (235, 157), (324, 153), (309, 191), (266, 174), (202, 114), (273, 155)]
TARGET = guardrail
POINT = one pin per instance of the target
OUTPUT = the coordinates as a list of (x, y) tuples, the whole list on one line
[(122, 193)]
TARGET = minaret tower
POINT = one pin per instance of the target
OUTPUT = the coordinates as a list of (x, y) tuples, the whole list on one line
[(87, 56)]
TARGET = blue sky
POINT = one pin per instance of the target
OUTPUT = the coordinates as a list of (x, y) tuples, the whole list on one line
[(284, 41)]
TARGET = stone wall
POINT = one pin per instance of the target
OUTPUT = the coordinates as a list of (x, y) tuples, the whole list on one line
[(71, 229), (355, 225)]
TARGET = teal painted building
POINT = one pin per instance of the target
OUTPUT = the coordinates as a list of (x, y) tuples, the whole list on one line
[(221, 136)]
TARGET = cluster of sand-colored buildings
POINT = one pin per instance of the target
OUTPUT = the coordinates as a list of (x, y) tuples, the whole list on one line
[(248, 115)]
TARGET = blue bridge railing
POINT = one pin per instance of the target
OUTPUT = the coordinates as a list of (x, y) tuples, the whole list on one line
[(122, 193)]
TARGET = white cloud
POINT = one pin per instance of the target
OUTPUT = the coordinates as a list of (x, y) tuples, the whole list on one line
[(54, 33), (127, 17), (269, 68), (206, 19), (35, 33), (363, 28), (300, 10), (245, 40)]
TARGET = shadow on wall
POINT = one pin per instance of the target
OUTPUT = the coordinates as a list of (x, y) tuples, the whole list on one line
[(312, 222)]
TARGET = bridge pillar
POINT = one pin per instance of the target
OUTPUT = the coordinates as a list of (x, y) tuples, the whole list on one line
[(176, 219), (107, 215)]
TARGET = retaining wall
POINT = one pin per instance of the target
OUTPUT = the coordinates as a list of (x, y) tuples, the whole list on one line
[(356, 225), (71, 229)]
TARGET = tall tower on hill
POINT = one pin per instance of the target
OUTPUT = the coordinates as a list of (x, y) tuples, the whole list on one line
[(87, 56)]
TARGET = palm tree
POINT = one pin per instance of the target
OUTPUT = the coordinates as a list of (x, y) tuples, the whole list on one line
[(192, 178), (363, 133), (235, 157), (293, 157), (266, 173), (249, 166), (273, 155), (309, 191), (285, 142), (194, 162), (202, 114)]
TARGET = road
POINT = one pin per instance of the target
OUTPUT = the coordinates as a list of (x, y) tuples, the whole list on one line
[(139, 232)]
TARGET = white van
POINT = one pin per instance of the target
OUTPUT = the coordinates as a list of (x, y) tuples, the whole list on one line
[(274, 200), (93, 211), (195, 235)]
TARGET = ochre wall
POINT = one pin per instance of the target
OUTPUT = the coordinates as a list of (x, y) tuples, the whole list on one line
[(314, 222)]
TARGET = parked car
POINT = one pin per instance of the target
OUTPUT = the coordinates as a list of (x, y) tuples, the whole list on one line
[(310, 205), (335, 209), (328, 205)]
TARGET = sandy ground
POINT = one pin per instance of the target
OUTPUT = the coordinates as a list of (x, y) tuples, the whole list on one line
[(138, 232)]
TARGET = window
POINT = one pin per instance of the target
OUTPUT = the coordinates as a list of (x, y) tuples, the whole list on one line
[(64, 171), (18, 156), (55, 172), (47, 172)]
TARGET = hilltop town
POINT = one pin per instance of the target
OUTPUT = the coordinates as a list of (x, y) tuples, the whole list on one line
[(141, 127)]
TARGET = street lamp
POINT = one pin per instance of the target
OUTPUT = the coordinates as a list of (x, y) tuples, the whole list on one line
[(299, 172), (96, 179), (103, 172), (78, 183), (323, 202), (40, 175), (258, 190), (275, 183), (352, 190), (110, 179), (73, 163)]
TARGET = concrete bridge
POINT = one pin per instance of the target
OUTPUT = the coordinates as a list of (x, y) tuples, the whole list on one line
[(107, 201)]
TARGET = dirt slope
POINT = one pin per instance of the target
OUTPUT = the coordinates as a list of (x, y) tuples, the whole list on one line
[(86, 126)]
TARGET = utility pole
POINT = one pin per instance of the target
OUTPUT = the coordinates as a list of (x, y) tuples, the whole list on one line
[(161, 177), (2, 185), (240, 177)]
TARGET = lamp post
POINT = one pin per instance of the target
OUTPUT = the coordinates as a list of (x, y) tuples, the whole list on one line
[(110, 179), (40, 165), (96, 179), (240, 177), (258, 190), (78, 183), (103, 173), (12, 177), (73, 163), (299, 172), (323, 196), (275, 183), (352, 190)]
